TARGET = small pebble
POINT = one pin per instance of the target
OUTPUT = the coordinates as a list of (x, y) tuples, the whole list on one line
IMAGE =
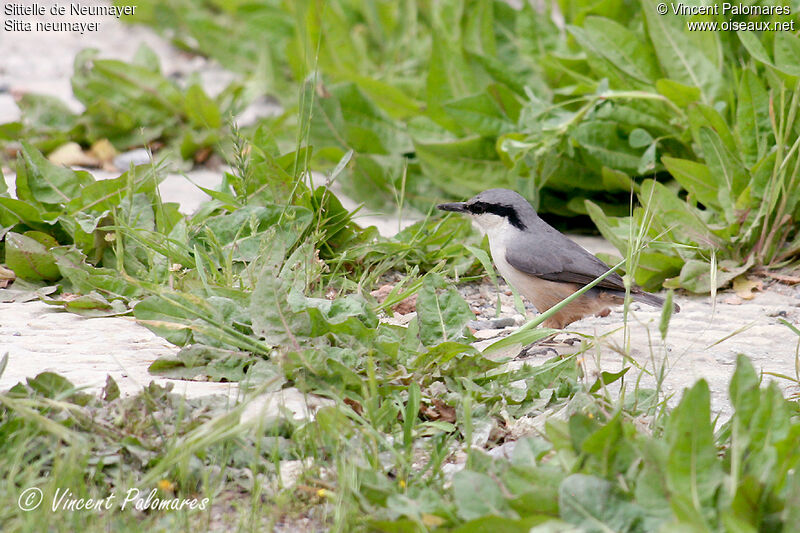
[(140, 156), (495, 323)]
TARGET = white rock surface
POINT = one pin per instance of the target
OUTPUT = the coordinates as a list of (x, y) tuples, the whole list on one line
[(38, 337)]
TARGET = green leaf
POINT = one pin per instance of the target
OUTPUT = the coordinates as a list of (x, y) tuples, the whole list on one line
[(201, 110), (479, 114), (603, 142), (666, 315), (730, 174), (272, 317), (619, 46), (607, 378), (681, 221), (443, 313), (91, 305), (640, 138), (391, 99), (410, 416), (476, 495), (13, 211), (787, 53), (695, 276), (696, 178), (750, 41), (605, 225), (694, 473), (30, 259), (678, 93), (687, 57), (46, 182), (85, 278), (752, 118), (743, 391), (198, 360), (593, 505), (348, 119), (462, 167), (616, 180)]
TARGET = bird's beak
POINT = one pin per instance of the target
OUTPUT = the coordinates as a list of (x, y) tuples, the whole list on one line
[(458, 207)]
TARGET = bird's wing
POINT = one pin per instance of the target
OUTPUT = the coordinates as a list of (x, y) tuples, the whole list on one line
[(552, 256)]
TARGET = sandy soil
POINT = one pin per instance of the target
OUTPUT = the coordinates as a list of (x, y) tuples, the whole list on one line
[(703, 341)]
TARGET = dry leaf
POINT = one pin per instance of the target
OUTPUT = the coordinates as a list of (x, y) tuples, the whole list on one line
[(7, 277), (744, 287), (103, 150), (783, 278), (354, 405), (439, 411), (732, 300), (382, 292), (409, 305), (432, 520), (71, 154)]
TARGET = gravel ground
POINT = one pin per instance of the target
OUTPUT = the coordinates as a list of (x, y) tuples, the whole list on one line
[(704, 339)]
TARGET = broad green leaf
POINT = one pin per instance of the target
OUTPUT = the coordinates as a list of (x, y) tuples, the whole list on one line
[(85, 278), (13, 211), (640, 138), (752, 118), (787, 53), (730, 174), (678, 93), (443, 313), (29, 259), (687, 57), (619, 46), (694, 472), (704, 116), (696, 178), (603, 142), (273, 319), (753, 44), (396, 102), (201, 110), (348, 119), (503, 73), (46, 182), (616, 180), (476, 495), (744, 393), (479, 114), (91, 305), (462, 167), (681, 221), (593, 505), (604, 225), (695, 276)]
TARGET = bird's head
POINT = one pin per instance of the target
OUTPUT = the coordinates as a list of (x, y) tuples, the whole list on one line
[(494, 208)]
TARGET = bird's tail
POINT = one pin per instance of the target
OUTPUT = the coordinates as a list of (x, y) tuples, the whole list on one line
[(651, 299)]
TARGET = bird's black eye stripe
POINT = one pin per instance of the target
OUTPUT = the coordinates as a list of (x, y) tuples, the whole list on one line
[(477, 208), (506, 211)]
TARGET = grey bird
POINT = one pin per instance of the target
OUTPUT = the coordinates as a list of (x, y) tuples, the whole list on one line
[(542, 263)]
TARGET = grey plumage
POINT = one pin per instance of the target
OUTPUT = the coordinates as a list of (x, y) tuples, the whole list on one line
[(539, 250)]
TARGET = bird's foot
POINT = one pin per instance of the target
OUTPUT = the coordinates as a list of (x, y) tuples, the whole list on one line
[(536, 350)]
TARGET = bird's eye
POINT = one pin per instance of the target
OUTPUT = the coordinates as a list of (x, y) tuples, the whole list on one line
[(477, 208)]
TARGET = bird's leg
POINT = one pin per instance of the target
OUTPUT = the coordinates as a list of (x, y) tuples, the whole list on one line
[(541, 347)]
